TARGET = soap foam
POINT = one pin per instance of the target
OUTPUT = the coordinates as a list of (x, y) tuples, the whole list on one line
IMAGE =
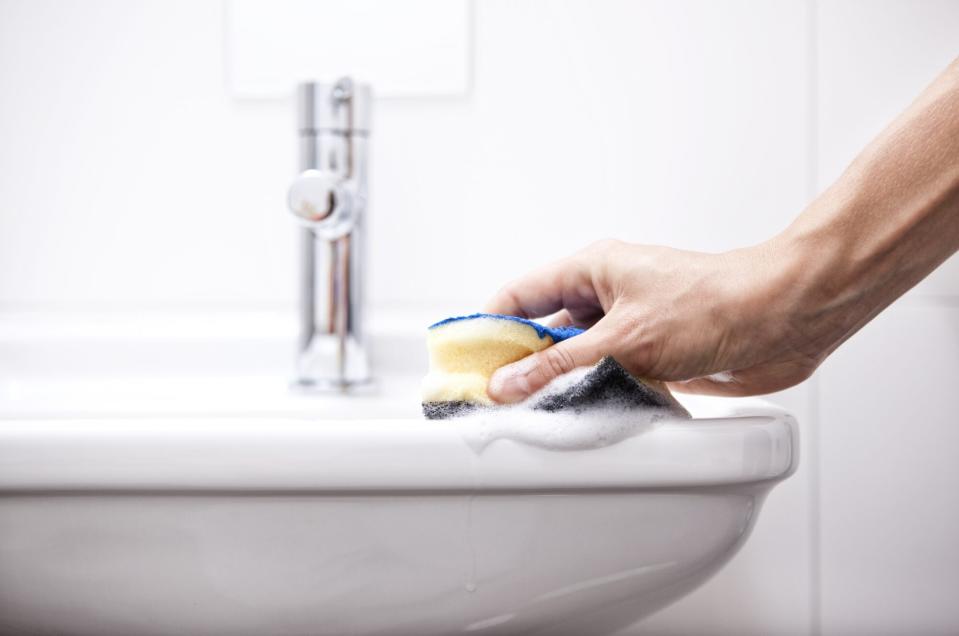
[(722, 376), (565, 430), (560, 431)]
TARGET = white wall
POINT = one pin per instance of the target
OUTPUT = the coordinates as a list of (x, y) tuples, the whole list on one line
[(888, 409), (130, 176)]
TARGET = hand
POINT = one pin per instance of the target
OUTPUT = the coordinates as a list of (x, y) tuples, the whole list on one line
[(759, 319), (665, 314)]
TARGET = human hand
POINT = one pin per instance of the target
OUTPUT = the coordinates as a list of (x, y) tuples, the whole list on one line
[(709, 323)]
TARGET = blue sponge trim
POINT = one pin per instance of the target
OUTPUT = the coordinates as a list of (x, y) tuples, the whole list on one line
[(558, 334)]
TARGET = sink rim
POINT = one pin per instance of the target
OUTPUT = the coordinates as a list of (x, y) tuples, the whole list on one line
[(754, 442)]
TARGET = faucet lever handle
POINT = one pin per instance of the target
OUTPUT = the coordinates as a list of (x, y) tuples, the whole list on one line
[(321, 201)]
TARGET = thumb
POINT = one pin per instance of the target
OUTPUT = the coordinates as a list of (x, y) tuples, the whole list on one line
[(517, 381)]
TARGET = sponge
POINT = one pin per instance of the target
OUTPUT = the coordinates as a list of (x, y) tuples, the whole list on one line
[(466, 350)]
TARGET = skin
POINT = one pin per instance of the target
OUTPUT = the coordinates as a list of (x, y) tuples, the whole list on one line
[(763, 317)]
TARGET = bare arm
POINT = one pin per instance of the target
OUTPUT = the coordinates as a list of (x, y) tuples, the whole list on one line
[(762, 318)]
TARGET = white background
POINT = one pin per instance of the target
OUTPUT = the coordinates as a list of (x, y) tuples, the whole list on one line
[(133, 177)]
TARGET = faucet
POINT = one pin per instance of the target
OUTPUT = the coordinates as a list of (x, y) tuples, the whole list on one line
[(329, 200)]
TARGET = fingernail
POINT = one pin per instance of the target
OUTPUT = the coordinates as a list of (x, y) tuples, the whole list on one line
[(511, 383)]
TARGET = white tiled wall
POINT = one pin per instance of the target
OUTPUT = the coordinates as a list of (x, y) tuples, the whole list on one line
[(129, 175), (890, 505), (875, 57), (273, 44), (594, 119), (889, 408)]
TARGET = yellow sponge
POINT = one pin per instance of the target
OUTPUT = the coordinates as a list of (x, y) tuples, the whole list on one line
[(465, 351)]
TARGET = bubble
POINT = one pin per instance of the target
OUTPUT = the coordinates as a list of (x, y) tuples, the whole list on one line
[(563, 430)]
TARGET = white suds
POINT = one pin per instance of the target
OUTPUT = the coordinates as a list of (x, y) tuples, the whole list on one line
[(562, 383), (722, 376), (558, 430)]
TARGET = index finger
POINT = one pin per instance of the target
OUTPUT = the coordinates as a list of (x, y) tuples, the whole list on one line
[(541, 292)]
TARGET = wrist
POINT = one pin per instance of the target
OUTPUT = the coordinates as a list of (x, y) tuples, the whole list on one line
[(820, 278), (795, 280)]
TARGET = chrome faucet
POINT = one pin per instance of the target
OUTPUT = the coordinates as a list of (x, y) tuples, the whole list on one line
[(329, 199)]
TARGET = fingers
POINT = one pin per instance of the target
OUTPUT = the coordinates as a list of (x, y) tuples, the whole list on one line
[(582, 316), (517, 381), (542, 291), (560, 319)]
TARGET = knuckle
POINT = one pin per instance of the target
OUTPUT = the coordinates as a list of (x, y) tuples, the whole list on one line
[(648, 353), (557, 361), (636, 340), (621, 329), (507, 296), (627, 330)]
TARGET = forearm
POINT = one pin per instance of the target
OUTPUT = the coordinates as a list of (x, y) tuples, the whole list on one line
[(891, 219)]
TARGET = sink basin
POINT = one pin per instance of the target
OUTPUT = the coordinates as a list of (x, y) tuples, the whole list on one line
[(197, 501)]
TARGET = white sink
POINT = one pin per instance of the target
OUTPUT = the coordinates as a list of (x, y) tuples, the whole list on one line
[(205, 500)]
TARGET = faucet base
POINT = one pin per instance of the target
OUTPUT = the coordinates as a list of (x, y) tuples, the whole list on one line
[(334, 387), (333, 363)]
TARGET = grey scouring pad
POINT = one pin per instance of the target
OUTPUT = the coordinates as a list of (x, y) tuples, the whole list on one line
[(446, 410), (606, 385)]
